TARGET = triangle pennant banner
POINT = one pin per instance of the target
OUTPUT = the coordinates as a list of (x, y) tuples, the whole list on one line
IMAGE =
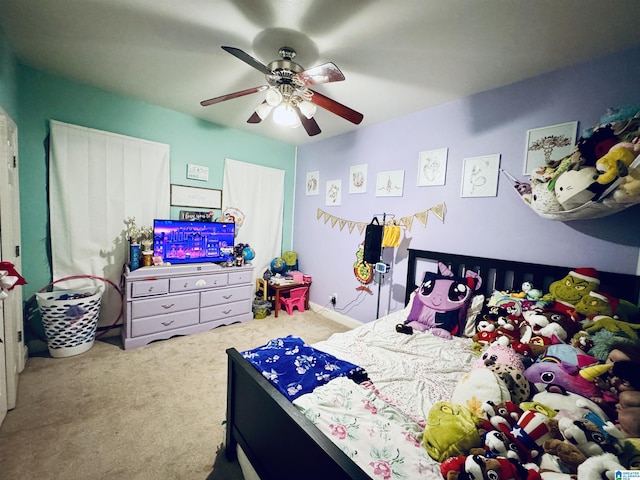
[(422, 217), (407, 222), (438, 211)]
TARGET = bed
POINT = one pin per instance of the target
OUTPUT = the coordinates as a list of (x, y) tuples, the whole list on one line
[(281, 442)]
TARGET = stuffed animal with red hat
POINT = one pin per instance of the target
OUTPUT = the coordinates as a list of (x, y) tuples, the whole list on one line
[(568, 291)]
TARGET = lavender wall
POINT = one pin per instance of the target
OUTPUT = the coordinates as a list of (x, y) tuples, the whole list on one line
[(493, 122)]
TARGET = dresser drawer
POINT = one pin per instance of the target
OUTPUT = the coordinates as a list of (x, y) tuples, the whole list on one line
[(161, 323), (199, 282), (146, 288), (164, 305), (236, 278), (220, 312), (225, 295)]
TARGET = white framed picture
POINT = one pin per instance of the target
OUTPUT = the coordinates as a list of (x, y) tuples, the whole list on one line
[(313, 183), (334, 193), (358, 179), (549, 145), (432, 167), (185, 196), (390, 184), (480, 176)]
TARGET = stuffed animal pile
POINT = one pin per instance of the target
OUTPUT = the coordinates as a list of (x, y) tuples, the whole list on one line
[(555, 392), (601, 176)]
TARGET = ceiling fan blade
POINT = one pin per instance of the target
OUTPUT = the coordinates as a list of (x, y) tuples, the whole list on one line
[(248, 59), (336, 107), (254, 118), (325, 73), (309, 124), (263, 108), (230, 96)]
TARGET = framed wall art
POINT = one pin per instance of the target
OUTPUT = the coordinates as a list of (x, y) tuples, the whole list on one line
[(313, 183), (480, 176), (333, 193), (432, 167), (197, 172), (547, 145), (390, 184), (358, 179), (183, 196)]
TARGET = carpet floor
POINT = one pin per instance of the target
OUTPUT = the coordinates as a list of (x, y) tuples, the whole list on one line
[(156, 412)]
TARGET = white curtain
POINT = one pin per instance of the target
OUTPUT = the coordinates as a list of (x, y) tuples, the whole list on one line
[(256, 195), (98, 179)]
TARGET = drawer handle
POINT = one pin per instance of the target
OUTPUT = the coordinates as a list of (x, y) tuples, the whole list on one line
[(150, 289), (167, 323), (227, 297), (227, 312), (167, 307)]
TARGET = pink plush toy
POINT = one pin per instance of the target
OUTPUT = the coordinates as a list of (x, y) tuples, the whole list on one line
[(499, 354)]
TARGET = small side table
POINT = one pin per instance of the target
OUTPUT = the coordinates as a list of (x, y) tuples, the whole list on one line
[(276, 290)]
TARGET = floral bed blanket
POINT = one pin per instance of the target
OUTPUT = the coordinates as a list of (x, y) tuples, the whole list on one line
[(377, 436)]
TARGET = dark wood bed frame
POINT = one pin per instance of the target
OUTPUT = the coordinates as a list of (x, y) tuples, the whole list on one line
[(281, 443)]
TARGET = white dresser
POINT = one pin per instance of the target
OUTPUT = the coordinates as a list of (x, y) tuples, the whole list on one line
[(183, 299)]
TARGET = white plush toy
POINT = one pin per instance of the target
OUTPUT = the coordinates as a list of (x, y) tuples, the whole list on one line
[(599, 467)]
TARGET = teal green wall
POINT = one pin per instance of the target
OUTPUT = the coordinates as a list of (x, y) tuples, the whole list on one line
[(42, 97), (8, 90)]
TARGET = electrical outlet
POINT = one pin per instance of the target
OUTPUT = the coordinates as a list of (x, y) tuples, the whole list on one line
[(334, 299)]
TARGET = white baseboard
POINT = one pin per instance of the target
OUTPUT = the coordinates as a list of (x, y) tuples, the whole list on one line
[(335, 316)]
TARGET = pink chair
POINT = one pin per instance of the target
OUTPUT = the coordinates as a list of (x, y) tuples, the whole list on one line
[(297, 298)]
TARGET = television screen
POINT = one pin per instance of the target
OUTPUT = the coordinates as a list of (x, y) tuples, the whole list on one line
[(178, 241)]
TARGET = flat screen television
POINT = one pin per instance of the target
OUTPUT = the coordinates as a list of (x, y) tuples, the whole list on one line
[(183, 241)]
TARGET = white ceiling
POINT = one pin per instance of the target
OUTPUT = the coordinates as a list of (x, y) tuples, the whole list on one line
[(398, 56)]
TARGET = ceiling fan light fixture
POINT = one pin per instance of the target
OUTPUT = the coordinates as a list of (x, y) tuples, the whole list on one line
[(273, 97), (307, 108), (286, 116), (263, 110)]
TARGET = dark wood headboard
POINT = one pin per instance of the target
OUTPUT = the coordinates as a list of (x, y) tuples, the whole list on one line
[(509, 275)]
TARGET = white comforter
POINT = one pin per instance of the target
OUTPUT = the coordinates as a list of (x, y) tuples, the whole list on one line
[(412, 371)]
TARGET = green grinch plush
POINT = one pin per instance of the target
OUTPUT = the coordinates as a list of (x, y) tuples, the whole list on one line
[(599, 303), (451, 430), (568, 291), (596, 303)]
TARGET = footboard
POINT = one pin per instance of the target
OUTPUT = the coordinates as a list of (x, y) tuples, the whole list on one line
[(279, 441)]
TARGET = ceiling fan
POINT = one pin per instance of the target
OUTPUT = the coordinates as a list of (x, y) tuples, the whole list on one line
[(288, 93)]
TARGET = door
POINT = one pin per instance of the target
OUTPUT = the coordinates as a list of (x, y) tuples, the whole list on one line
[(12, 336), (3, 367)]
